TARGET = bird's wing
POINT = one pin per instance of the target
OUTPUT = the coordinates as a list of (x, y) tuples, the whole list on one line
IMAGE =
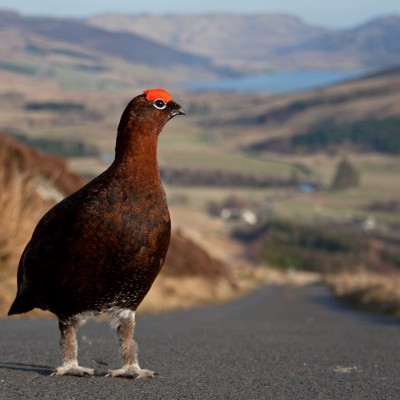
[(38, 255), (66, 211), (56, 226)]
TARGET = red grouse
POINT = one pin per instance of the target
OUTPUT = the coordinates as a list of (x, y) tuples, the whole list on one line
[(100, 249)]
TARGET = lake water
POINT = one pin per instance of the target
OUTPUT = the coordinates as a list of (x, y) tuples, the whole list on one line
[(276, 82)]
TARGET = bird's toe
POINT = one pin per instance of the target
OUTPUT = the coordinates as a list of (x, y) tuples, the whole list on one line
[(132, 373), (146, 373), (75, 370)]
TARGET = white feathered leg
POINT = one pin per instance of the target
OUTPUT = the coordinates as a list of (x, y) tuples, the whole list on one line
[(69, 350), (125, 322)]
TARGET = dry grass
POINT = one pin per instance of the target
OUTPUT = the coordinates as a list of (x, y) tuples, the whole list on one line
[(368, 291), (171, 293), (21, 206)]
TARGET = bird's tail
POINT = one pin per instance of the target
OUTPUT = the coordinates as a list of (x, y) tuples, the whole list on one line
[(24, 302)]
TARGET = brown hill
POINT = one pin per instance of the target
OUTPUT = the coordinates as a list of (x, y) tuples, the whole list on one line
[(187, 259), (32, 163), (31, 182)]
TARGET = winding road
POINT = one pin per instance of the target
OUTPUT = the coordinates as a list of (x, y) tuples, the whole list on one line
[(276, 343)]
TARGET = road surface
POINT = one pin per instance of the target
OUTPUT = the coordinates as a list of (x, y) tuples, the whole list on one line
[(277, 343)]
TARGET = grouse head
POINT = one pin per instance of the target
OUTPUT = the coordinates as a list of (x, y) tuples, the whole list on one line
[(143, 120), (149, 111)]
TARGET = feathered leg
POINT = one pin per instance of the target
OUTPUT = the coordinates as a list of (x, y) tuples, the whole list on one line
[(69, 350), (128, 348)]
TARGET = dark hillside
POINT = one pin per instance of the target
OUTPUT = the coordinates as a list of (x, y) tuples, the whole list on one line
[(382, 136)]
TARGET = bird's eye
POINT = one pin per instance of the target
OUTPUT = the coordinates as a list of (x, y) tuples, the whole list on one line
[(160, 104)]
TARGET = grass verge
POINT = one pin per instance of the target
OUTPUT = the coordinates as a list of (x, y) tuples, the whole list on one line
[(367, 291)]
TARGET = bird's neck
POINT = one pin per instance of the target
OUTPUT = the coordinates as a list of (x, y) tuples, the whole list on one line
[(136, 156)]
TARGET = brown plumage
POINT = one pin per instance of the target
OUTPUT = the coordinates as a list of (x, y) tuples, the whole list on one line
[(101, 248)]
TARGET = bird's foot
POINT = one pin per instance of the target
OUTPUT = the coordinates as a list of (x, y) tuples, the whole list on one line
[(132, 371), (74, 370)]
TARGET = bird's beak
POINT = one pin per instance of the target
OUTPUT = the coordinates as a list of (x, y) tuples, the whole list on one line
[(178, 110)]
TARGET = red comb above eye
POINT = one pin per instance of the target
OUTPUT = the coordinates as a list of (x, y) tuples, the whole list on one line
[(155, 94)]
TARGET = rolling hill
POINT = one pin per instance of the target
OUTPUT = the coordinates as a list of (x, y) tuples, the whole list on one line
[(362, 115)]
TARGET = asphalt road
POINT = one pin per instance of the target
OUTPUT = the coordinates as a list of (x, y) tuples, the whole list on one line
[(277, 343)]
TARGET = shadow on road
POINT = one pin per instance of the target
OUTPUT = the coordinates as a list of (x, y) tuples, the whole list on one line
[(44, 370)]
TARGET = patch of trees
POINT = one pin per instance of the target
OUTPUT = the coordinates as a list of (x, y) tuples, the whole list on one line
[(380, 135), (318, 247), (54, 106), (285, 112), (371, 134), (40, 50), (91, 68), (19, 68), (388, 206), (220, 178), (346, 176), (60, 147)]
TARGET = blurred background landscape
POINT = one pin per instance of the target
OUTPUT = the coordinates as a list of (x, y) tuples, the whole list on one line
[(285, 170)]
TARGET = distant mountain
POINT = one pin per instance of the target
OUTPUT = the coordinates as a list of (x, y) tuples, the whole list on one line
[(39, 36), (187, 47), (375, 44), (252, 43), (244, 42)]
